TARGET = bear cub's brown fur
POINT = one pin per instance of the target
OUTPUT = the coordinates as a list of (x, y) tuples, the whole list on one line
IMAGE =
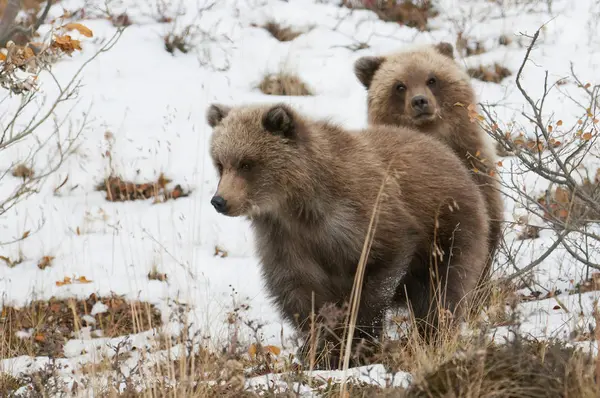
[(421, 88), (309, 189)]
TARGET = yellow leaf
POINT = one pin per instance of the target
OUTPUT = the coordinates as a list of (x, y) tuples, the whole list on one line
[(478, 153), (273, 350), (83, 279), (78, 231), (2, 57), (252, 350), (80, 28)]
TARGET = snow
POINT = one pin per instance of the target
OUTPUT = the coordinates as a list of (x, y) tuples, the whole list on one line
[(153, 104)]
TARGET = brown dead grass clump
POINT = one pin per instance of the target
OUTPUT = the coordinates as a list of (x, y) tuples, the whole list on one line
[(22, 171), (118, 190), (490, 73), (47, 325), (412, 13), (283, 84), (281, 33), (522, 368)]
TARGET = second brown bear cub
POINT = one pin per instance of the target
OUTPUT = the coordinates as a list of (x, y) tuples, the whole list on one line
[(423, 88), (310, 188)]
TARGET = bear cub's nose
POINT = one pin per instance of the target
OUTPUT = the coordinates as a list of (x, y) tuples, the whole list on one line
[(219, 204), (420, 103)]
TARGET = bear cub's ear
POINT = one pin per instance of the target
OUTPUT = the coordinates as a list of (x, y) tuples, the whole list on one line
[(216, 113), (365, 68), (279, 120), (446, 49)]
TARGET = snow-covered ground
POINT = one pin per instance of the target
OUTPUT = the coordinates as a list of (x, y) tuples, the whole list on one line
[(153, 103)]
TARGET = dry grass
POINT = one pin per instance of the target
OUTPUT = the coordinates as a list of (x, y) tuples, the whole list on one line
[(45, 326), (490, 73), (283, 84), (281, 33), (522, 368)]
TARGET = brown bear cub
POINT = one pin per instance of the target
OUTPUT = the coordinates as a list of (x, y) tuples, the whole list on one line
[(423, 88), (310, 188)]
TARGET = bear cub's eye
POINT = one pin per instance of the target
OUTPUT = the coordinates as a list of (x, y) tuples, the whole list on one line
[(400, 87), (431, 81), (245, 166)]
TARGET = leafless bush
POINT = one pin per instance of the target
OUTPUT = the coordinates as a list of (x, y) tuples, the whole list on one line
[(560, 157), (22, 121)]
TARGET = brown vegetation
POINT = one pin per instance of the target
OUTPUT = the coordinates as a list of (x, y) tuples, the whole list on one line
[(47, 325), (490, 73), (412, 13), (283, 84), (118, 190), (281, 33)]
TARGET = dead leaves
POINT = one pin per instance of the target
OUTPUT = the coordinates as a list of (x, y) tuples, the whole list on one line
[(254, 350), (118, 190), (45, 262), (80, 28), (66, 43), (69, 281)]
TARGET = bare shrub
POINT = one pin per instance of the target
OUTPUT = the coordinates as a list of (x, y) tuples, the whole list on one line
[(283, 84), (559, 158), (23, 122)]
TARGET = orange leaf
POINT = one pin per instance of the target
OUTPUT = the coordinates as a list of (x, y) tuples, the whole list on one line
[(556, 307), (2, 57), (587, 136), (588, 85), (595, 121), (252, 350), (55, 307), (78, 231), (563, 213), (559, 123), (550, 128), (83, 279), (39, 337), (80, 28), (25, 235), (273, 350), (499, 163)]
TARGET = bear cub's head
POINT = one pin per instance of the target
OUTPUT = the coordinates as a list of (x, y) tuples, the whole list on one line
[(253, 149), (416, 88)]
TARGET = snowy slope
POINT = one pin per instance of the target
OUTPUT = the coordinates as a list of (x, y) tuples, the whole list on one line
[(153, 104)]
